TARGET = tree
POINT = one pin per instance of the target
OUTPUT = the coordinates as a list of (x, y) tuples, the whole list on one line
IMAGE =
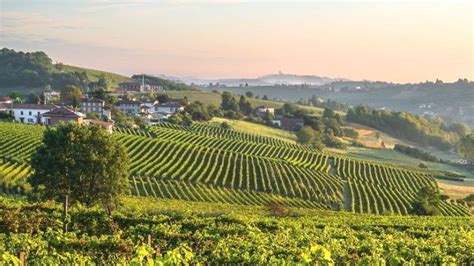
[(265, 97), (249, 94), (103, 82), (197, 111), (71, 95), (465, 147), (229, 103), (245, 106), (163, 98), (426, 202), (82, 162), (308, 136), (328, 113)]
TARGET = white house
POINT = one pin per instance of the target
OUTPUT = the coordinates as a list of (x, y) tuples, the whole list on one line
[(168, 108), (261, 110), (30, 113)]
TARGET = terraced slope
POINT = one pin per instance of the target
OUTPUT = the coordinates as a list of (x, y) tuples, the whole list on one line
[(211, 164)]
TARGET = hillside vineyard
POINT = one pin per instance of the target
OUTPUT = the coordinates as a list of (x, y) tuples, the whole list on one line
[(206, 163)]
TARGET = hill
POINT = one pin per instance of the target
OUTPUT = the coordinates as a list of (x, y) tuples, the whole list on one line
[(94, 75), (206, 163)]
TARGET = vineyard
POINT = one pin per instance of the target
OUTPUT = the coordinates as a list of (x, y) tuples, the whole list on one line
[(206, 163), (190, 233)]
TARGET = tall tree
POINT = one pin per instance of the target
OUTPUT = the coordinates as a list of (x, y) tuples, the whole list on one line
[(83, 162), (229, 103), (71, 95), (466, 147)]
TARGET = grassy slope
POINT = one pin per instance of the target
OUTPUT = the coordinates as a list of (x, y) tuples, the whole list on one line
[(253, 128), (215, 98), (94, 74)]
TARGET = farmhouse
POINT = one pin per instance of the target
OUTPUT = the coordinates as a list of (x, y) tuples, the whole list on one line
[(97, 106), (62, 114), (130, 107), (132, 86), (292, 124), (30, 113), (5, 100), (169, 107), (262, 110)]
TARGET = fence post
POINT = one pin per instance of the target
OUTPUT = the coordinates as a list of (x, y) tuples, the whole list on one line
[(66, 203), (149, 240), (22, 257)]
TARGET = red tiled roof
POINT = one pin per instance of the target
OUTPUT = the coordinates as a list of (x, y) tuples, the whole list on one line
[(34, 106), (62, 111), (100, 123)]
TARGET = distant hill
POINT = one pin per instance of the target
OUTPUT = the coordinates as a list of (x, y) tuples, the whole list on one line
[(165, 83), (27, 71), (266, 80)]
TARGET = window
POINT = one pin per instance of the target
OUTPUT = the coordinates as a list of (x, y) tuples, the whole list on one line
[(29, 113), (21, 112), (38, 113), (30, 120)]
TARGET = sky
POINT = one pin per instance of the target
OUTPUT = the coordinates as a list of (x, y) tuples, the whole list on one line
[(398, 41)]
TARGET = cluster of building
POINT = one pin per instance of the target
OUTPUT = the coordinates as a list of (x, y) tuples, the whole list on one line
[(52, 114), (151, 109)]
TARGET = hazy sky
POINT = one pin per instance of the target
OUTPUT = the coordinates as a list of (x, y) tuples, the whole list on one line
[(393, 41)]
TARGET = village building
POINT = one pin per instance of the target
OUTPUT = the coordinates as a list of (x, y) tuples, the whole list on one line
[(292, 124), (97, 106), (30, 113), (62, 114), (130, 107), (262, 110), (169, 107), (132, 86), (5, 100)]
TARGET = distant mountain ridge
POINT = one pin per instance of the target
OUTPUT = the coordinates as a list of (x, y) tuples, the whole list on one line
[(266, 80)]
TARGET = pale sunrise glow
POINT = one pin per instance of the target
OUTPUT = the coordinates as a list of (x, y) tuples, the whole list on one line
[(392, 41)]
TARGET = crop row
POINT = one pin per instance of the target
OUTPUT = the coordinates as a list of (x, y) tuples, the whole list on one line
[(172, 189)]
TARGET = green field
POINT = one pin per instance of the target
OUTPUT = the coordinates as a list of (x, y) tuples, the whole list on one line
[(258, 129), (215, 98), (95, 75), (206, 163)]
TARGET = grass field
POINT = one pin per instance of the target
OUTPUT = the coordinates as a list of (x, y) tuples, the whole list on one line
[(215, 98), (253, 128), (94, 74)]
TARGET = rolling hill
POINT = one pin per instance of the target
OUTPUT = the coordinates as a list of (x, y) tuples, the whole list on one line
[(206, 163)]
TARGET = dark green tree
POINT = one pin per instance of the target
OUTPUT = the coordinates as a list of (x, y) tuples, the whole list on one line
[(229, 103), (83, 162), (466, 147), (71, 95), (197, 111), (426, 202)]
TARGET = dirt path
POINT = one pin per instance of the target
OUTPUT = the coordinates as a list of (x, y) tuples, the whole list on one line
[(346, 195)]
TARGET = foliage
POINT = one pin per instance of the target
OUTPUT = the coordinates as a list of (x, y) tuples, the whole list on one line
[(309, 136), (186, 234), (71, 95), (426, 132), (415, 153), (80, 161), (197, 111), (465, 147), (426, 202), (229, 103)]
